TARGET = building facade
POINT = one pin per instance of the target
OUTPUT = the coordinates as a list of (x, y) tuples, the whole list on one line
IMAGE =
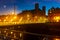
[(54, 14), (35, 15)]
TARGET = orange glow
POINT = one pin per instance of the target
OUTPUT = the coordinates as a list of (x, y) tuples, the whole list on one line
[(4, 20), (11, 20), (11, 32), (6, 17), (57, 18), (20, 19), (12, 13), (28, 15), (56, 39), (35, 16), (15, 17), (0, 19)]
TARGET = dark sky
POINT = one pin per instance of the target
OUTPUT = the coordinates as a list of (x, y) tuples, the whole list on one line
[(7, 6)]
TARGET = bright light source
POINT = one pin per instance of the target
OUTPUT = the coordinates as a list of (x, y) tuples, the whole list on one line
[(20, 19), (11, 20), (15, 22), (57, 18), (35, 17), (4, 20), (20, 34), (5, 31), (12, 13), (6, 17), (0, 20), (11, 32), (28, 18), (56, 39), (28, 15), (12, 39), (15, 17)]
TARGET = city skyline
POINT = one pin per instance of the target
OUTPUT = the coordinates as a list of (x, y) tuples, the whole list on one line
[(7, 6)]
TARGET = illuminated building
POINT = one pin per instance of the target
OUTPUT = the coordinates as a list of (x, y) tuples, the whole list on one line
[(35, 14), (54, 14)]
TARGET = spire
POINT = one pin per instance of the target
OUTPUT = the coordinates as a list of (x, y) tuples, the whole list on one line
[(36, 6)]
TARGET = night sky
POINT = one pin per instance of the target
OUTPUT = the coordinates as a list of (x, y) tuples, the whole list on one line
[(7, 6)]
